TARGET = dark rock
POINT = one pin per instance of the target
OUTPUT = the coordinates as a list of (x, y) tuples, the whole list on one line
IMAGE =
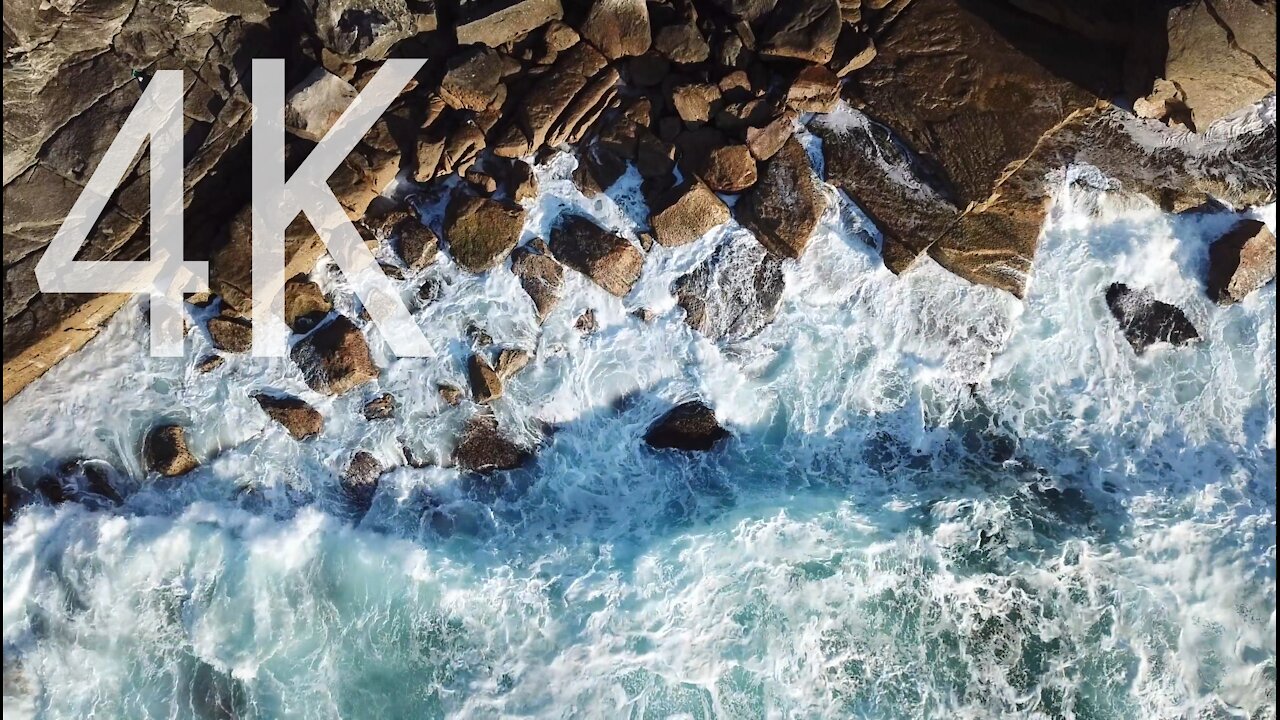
[(335, 358), (686, 213), (209, 363), (357, 30), (450, 394), (483, 448), (15, 495), (478, 336), (231, 333), (360, 481), (1241, 261), (689, 426), (486, 385), (495, 22), (586, 322), (520, 182), (165, 451), (1146, 321), (482, 231), (617, 28), (749, 10), (677, 36), (802, 29), (541, 277), (382, 407), (854, 50), (299, 418), (610, 260), (483, 182), (695, 102), (304, 304), (734, 294), (474, 80), (416, 244), (647, 70), (783, 207)]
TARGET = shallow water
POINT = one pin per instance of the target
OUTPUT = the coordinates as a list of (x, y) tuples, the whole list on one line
[(938, 501)]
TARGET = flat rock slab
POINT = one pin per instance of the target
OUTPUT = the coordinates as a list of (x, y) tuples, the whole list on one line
[(784, 205)]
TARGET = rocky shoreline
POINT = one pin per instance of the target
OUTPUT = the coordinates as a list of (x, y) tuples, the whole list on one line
[(948, 124)]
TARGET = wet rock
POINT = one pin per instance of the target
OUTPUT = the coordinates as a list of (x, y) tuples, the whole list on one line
[(165, 451), (450, 394), (482, 231), (474, 80), (209, 363), (94, 477), (1146, 321), (382, 407), (495, 22), (484, 448), (863, 159), (520, 182), (686, 213), (478, 336), (610, 260), (15, 495), (802, 29), (299, 418), (483, 182), (729, 169), (586, 322), (231, 333), (783, 207), (316, 103), (1221, 55), (304, 304), (733, 294), (617, 28), (360, 481), (486, 385), (1241, 261), (335, 358), (416, 244), (690, 426), (541, 277)]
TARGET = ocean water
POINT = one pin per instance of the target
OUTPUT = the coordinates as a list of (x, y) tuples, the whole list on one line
[(938, 501)]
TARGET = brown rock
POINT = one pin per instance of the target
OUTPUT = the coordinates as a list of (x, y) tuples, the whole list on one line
[(562, 104), (1222, 55), (316, 103), (815, 89), (483, 448), (450, 394), (677, 36), (165, 451), (481, 181), (416, 243), (610, 260), (382, 407), (783, 207), (510, 362), (335, 358), (765, 141), (231, 333), (304, 304), (481, 231), (355, 30), (617, 28), (486, 385), (300, 419), (695, 102), (474, 80), (520, 181), (495, 22), (541, 277), (209, 363), (1241, 261), (686, 213), (690, 426), (802, 29), (748, 10), (854, 50), (586, 322), (729, 169)]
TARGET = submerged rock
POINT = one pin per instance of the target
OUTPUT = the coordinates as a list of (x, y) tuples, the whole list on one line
[(541, 277), (1146, 321), (335, 358), (450, 394), (688, 426), (734, 294), (297, 416), (1241, 261), (484, 448), (382, 407), (165, 451)]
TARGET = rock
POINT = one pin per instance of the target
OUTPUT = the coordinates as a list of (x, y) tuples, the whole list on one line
[(474, 80), (416, 244), (764, 142), (495, 22), (335, 358), (729, 169), (299, 418), (209, 363), (520, 182), (1165, 102), (481, 231), (815, 89), (586, 322), (355, 30), (677, 36), (1221, 55), (1146, 321), (316, 103), (689, 426), (360, 481), (644, 315), (854, 50), (802, 29), (695, 102), (617, 28), (165, 451), (382, 407), (686, 213), (450, 394), (749, 10), (562, 104), (483, 448), (510, 362), (648, 70), (304, 304), (481, 181), (610, 260), (15, 496), (231, 333), (486, 385), (478, 336), (783, 207), (862, 158), (1241, 261), (541, 277), (654, 157), (733, 294)]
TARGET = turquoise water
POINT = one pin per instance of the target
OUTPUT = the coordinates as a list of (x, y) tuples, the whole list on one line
[(938, 502)]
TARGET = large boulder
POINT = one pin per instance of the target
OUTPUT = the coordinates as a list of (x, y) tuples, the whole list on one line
[(356, 30), (495, 22), (729, 169), (561, 104), (1241, 261), (305, 304), (474, 80), (484, 448), (784, 205), (165, 451), (541, 277), (231, 333), (862, 158), (296, 415), (676, 35), (481, 231), (686, 213), (315, 104), (1145, 321), (609, 259), (486, 385), (690, 426), (335, 358), (803, 30), (734, 293), (618, 28), (1222, 55)]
